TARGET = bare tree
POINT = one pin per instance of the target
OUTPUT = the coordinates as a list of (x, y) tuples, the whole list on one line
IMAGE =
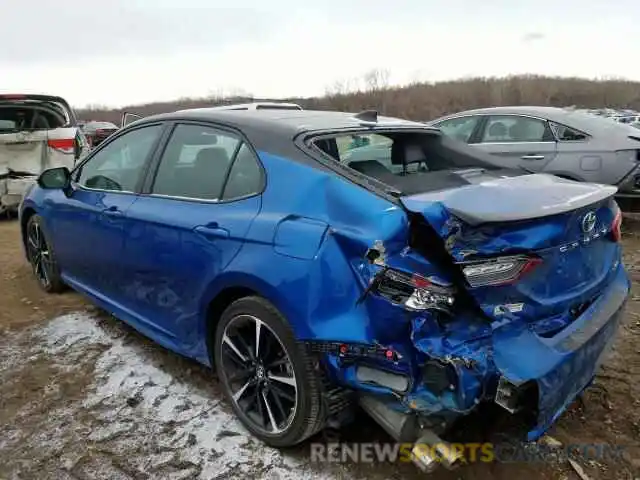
[(424, 101)]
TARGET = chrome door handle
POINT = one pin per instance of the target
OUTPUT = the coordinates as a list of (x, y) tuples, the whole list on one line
[(532, 157)]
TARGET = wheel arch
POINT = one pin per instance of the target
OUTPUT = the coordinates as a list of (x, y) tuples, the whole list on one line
[(232, 287)]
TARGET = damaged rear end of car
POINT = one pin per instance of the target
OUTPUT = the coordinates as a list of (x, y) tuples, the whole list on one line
[(36, 132), (476, 285)]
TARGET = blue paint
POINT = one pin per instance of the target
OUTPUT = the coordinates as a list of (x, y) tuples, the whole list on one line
[(302, 243)]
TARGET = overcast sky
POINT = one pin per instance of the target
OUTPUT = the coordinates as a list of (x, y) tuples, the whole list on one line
[(119, 52)]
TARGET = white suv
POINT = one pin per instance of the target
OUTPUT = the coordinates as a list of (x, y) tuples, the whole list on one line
[(36, 132)]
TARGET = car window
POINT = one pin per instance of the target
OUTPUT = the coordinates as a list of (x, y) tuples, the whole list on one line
[(354, 148), (119, 165), (409, 161), (514, 128), (245, 177), (373, 153), (195, 162), (7, 124), (566, 134), (459, 128)]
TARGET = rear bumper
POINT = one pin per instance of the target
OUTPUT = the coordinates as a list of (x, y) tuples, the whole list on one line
[(560, 367), (12, 190), (564, 365)]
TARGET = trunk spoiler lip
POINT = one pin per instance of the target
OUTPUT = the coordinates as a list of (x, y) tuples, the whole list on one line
[(512, 199)]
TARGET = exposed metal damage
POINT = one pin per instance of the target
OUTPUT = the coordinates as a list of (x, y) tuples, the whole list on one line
[(458, 319), (37, 132)]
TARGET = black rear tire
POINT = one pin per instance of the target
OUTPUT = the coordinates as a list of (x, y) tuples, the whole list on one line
[(272, 387), (42, 257)]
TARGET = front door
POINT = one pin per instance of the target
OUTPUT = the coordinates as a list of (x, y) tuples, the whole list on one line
[(189, 227), (87, 225)]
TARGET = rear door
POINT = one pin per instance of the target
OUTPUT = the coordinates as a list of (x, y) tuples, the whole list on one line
[(190, 225), (518, 141)]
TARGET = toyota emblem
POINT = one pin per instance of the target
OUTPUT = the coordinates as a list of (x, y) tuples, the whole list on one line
[(588, 222)]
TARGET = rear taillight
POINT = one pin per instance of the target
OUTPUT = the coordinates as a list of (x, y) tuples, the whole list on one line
[(414, 291), (64, 145), (500, 271), (616, 226)]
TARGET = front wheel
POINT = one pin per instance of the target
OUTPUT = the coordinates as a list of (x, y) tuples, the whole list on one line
[(41, 256), (267, 376)]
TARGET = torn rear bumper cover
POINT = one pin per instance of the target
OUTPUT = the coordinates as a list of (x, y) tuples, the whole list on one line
[(448, 369)]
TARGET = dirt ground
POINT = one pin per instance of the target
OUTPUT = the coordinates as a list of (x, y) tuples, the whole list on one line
[(82, 396)]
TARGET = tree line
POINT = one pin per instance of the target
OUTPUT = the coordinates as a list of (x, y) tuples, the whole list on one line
[(424, 100)]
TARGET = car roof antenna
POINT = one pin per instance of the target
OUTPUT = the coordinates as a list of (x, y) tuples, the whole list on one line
[(368, 116)]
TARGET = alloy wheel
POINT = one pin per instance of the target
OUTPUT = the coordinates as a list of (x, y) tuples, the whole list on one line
[(39, 254), (258, 374)]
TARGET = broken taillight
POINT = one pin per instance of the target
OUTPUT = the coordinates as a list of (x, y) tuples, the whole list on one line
[(414, 291), (616, 226), (64, 145), (501, 271)]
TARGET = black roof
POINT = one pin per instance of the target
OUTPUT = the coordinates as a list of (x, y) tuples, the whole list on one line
[(284, 122)]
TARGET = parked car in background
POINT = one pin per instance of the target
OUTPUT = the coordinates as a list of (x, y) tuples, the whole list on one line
[(628, 119), (420, 285), (96, 131), (564, 142), (36, 132)]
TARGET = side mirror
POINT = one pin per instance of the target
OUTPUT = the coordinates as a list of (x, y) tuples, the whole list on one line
[(55, 178)]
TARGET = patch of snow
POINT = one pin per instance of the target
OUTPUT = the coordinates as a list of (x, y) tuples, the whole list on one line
[(166, 427)]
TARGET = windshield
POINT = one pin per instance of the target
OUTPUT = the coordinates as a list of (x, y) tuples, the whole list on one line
[(409, 161)]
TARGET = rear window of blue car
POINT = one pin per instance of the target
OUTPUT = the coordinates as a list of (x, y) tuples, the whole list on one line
[(405, 160)]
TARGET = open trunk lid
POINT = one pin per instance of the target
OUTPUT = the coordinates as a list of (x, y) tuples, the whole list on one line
[(535, 247), (29, 126), (36, 132)]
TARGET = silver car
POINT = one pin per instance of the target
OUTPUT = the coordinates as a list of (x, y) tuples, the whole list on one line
[(564, 142)]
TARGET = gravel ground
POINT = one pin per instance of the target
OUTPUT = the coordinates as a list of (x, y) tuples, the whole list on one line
[(83, 396)]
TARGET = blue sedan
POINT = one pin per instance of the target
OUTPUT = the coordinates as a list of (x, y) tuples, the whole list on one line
[(420, 283)]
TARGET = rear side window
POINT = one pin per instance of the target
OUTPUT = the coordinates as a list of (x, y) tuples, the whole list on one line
[(245, 177), (566, 134), (195, 162)]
